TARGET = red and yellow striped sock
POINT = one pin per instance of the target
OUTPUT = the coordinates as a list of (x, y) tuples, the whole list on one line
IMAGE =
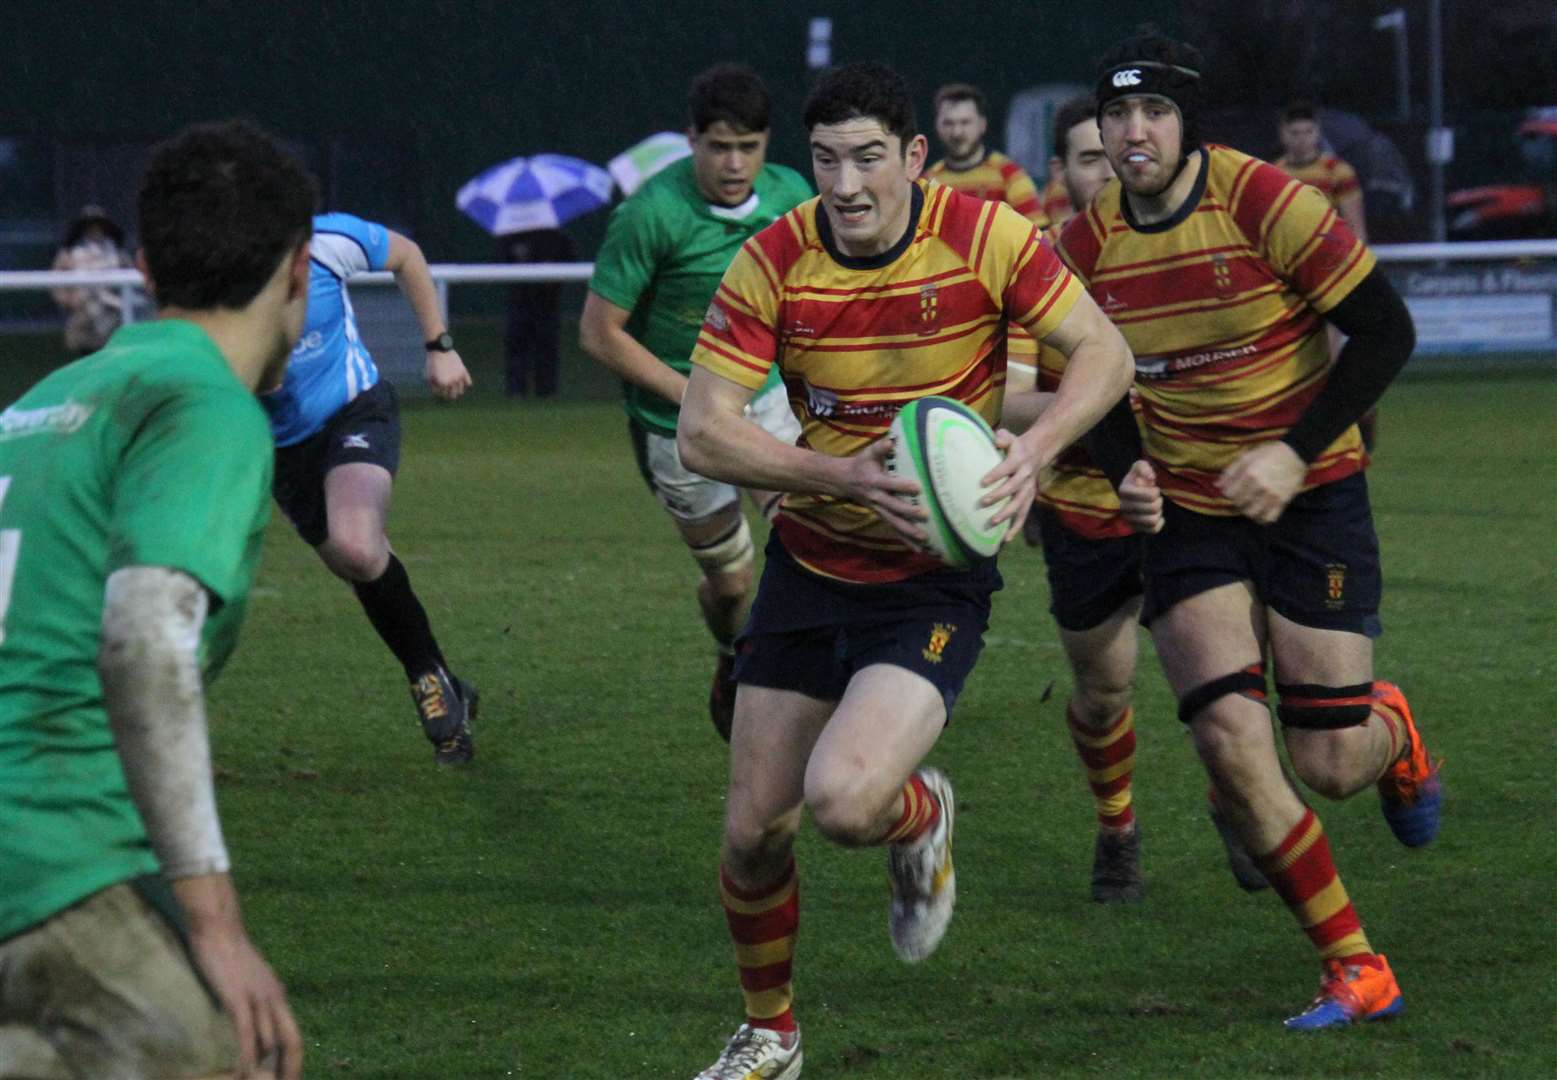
[(763, 925), (1303, 873), (1109, 760), (1394, 724), (920, 813)]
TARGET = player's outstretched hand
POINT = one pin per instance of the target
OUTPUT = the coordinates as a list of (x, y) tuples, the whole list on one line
[(1015, 478), (1140, 499), (869, 483), (446, 374), (1263, 480)]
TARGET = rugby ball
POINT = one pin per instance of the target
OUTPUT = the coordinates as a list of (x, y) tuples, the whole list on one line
[(947, 448)]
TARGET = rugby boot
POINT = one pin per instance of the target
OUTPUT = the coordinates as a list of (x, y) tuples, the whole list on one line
[(446, 707), (924, 881), (721, 696), (1239, 861), (757, 1054), (1410, 794), (1349, 993), (1116, 867)]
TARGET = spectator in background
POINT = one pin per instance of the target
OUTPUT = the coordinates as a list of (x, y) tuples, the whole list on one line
[(1302, 156), (961, 120), (1301, 140), (532, 340), (94, 241)]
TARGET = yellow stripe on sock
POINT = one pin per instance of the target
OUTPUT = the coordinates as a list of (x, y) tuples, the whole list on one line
[(1113, 772), (1350, 945), (763, 1004), (1096, 742), (765, 953), (1114, 804), (757, 907), (1310, 838), (1323, 904)]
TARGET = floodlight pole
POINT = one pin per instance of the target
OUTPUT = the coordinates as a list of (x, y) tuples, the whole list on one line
[(1396, 20), (1440, 139)]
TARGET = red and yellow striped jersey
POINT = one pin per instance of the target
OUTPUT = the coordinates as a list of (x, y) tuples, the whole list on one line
[(1223, 306), (857, 338), (1329, 174), (996, 178), (1072, 486), (999, 179)]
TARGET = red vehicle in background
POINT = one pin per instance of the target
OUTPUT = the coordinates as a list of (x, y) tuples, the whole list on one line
[(1517, 211)]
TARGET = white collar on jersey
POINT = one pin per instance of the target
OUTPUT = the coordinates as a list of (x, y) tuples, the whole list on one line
[(734, 213)]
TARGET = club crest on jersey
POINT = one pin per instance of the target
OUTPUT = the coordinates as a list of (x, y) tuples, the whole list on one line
[(1335, 585), (1221, 275), (716, 318), (929, 308), (940, 636)]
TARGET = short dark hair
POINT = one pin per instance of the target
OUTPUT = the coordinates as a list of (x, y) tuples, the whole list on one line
[(961, 91), (1068, 115), (733, 93), (863, 90), (1300, 109), (219, 206)]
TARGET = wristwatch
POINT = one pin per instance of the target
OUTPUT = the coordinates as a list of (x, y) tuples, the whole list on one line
[(444, 342)]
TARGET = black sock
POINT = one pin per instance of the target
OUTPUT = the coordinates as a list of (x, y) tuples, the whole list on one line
[(400, 620)]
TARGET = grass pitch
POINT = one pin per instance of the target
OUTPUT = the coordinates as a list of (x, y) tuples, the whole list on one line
[(552, 911)]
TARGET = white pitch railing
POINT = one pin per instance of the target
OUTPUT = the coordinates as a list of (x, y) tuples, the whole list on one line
[(1456, 309)]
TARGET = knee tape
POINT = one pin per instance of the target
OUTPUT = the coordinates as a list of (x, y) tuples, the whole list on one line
[(730, 553), (1324, 708), (1250, 682)]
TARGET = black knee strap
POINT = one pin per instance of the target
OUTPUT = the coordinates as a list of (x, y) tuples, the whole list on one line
[(1315, 707), (1250, 682)]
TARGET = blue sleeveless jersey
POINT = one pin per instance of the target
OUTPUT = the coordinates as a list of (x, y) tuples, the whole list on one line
[(330, 364)]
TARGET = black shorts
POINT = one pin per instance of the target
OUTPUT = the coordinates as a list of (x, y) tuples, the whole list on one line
[(1089, 579), (1318, 565), (367, 429), (812, 634)]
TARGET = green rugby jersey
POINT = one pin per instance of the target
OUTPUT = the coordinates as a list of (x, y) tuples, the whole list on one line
[(665, 251), (148, 453)]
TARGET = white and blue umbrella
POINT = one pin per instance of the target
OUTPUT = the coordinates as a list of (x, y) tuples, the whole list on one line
[(643, 159), (539, 192)]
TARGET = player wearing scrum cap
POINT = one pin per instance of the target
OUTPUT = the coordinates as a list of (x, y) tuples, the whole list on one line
[(134, 491), (1221, 271)]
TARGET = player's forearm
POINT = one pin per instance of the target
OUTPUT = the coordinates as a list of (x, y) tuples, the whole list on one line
[(1097, 374), (149, 666), (415, 281), (1380, 337), (621, 353), (1114, 443), (728, 447), (1022, 409), (209, 901)]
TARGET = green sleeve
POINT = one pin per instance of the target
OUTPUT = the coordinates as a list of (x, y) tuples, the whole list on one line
[(635, 242), (191, 486)]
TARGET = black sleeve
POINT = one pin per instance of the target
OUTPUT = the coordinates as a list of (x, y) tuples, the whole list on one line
[(1380, 337), (1114, 443)]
